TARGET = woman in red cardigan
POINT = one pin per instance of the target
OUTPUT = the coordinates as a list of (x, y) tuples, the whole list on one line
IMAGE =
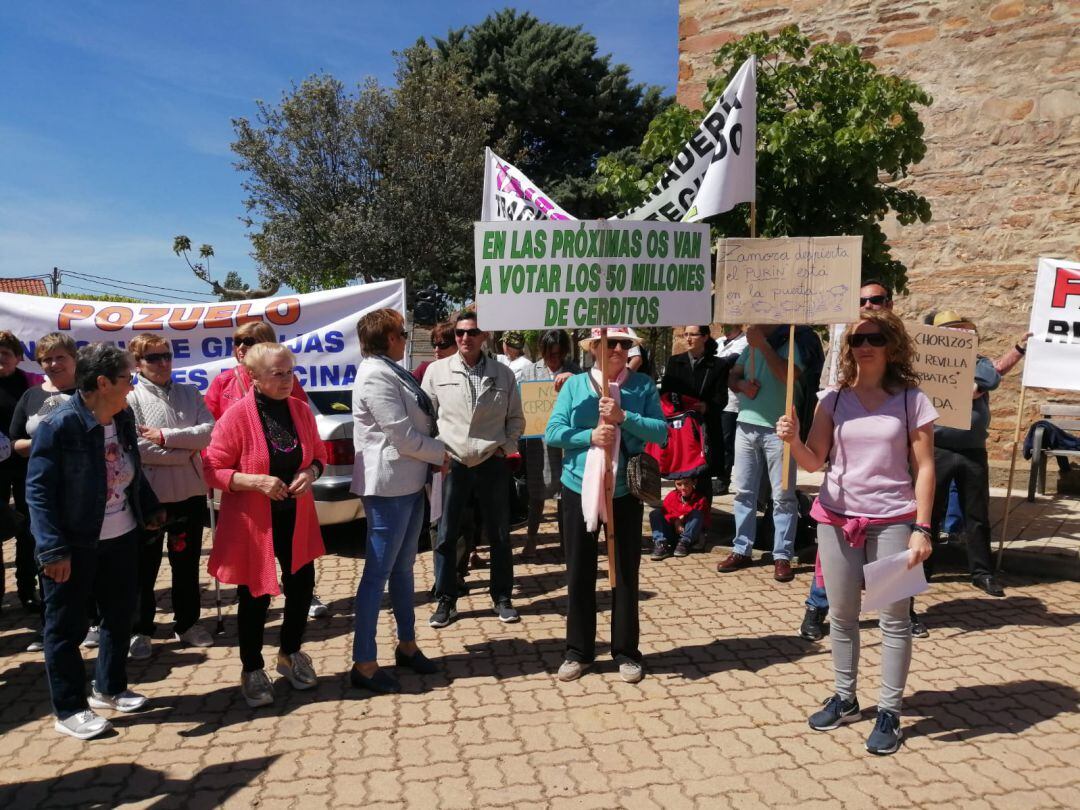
[(264, 456)]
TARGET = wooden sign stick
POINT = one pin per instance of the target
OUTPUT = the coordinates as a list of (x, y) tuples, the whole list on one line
[(609, 481), (790, 394), (1012, 470)]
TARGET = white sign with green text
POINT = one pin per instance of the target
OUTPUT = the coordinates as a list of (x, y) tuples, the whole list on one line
[(572, 275)]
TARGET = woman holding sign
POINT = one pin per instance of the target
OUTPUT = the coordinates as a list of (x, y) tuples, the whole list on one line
[(876, 432), (585, 422)]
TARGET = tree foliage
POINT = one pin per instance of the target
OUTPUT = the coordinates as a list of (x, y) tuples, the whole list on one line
[(560, 105), (234, 288), (834, 136), (380, 183)]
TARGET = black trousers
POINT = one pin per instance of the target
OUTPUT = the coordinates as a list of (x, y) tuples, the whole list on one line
[(970, 470), (298, 588), (185, 521), (581, 551), (13, 486)]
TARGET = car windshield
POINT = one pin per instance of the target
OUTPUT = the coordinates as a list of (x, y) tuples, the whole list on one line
[(327, 402)]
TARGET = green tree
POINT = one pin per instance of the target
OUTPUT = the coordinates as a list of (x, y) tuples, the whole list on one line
[(834, 136), (380, 183), (234, 288), (560, 105)]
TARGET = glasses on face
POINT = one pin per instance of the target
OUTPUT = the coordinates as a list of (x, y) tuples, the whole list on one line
[(248, 341), (875, 339), (621, 343), (158, 357), (474, 332), (443, 346), (404, 334), (876, 300)]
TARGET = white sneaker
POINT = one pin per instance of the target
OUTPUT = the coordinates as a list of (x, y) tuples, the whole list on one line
[(629, 670), (126, 701), (196, 636), (256, 688), (83, 725), (140, 649), (37, 645), (317, 609), (92, 637)]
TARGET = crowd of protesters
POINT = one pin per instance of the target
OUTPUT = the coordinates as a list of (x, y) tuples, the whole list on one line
[(110, 462)]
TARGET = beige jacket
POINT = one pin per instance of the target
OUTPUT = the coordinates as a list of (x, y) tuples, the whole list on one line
[(473, 436)]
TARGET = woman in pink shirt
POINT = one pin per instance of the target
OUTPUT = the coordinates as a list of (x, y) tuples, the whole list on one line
[(229, 387), (877, 433)]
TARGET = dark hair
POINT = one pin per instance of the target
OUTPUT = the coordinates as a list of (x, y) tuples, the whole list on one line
[(876, 282), (464, 315), (11, 343), (555, 338), (375, 328), (100, 360), (705, 330)]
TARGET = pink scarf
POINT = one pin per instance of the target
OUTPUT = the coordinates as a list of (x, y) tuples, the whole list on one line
[(593, 502), (854, 528)]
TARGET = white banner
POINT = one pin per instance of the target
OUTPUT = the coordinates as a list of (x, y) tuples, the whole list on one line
[(511, 196), (715, 169), (319, 327), (1053, 352), (536, 275)]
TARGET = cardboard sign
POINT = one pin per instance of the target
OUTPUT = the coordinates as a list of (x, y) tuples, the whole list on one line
[(537, 401), (1053, 356), (945, 363), (574, 275), (800, 280)]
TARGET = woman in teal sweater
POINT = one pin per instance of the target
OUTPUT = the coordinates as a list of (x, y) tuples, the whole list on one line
[(584, 423)]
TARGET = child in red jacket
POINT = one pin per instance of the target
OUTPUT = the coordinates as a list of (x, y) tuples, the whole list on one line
[(677, 524)]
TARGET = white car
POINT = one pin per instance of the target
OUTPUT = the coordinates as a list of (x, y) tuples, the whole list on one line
[(334, 503)]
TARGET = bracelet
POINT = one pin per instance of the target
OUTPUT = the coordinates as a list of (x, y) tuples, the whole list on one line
[(923, 530), (1020, 349)]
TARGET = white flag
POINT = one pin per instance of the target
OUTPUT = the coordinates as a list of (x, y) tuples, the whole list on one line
[(510, 196), (715, 169)]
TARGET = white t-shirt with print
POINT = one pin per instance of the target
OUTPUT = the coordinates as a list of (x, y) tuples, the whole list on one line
[(119, 473)]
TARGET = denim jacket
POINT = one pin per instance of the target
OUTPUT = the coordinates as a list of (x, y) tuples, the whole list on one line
[(65, 481)]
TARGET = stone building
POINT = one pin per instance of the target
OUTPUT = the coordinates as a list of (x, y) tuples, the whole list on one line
[(1002, 169)]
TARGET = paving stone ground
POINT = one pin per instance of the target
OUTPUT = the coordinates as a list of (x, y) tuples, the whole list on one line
[(992, 713)]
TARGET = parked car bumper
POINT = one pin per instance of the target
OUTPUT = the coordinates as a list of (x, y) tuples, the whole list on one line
[(334, 503)]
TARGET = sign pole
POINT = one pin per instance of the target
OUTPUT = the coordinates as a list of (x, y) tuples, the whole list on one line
[(790, 401), (609, 481), (1012, 470)]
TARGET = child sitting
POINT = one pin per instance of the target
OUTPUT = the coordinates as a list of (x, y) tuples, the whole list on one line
[(682, 517)]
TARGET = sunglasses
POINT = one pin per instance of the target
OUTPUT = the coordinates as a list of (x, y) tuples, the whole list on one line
[(404, 334), (875, 339), (445, 345), (158, 357), (876, 300), (623, 343), (474, 332), (248, 341)]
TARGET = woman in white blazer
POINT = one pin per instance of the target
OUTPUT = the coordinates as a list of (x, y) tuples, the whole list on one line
[(393, 431)]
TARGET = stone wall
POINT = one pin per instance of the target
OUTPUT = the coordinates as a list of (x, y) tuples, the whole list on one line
[(1002, 169)]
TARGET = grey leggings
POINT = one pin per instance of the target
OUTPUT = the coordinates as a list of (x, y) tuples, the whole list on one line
[(842, 566)]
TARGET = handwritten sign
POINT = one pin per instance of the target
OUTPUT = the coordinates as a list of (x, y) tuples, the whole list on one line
[(945, 363), (537, 401), (570, 275), (801, 280)]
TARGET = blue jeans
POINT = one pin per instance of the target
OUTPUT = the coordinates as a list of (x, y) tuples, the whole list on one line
[(817, 598), (954, 517), (393, 531), (106, 574), (663, 531), (489, 482), (757, 449)]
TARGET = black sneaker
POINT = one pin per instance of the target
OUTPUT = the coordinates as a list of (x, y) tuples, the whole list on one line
[(445, 613), (660, 550), (918, 629), (505, 611), (813, 624), (682, 549), (886, 736), (837, 711), (987, 582)]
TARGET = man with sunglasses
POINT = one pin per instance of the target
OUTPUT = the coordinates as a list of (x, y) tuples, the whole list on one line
[(479, 414)]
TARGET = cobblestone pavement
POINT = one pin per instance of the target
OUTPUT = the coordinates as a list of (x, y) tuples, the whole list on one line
[(991, 715)]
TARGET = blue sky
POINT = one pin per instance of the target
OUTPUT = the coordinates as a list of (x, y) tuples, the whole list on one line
[(115, 116)]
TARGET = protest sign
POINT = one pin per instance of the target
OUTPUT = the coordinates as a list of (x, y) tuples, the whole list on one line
[(537, 400), (1053, 351), (795, 280), (320, 328), (552, 275), (945, 363), (511, 196)]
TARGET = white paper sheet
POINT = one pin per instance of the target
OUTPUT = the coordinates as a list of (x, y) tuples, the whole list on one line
[(890, 580), (435, 495)]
